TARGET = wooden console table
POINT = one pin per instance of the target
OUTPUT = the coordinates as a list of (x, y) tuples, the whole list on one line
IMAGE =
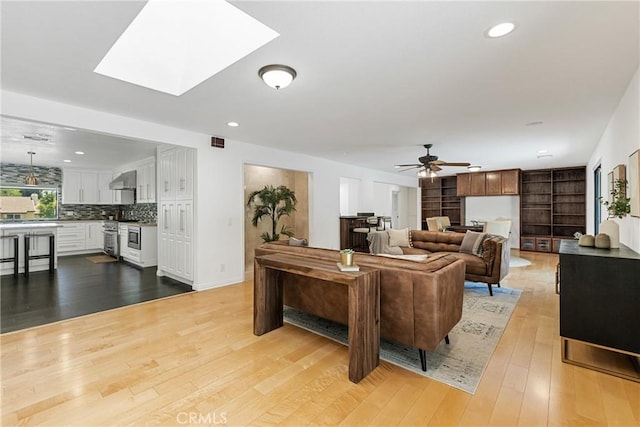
[(364, 303), (600, 306)]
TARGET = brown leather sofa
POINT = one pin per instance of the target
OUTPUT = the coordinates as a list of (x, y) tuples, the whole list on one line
[(491, 268), (420, 302)]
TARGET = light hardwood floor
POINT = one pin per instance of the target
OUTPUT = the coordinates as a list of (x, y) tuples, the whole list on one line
[(192, 359)]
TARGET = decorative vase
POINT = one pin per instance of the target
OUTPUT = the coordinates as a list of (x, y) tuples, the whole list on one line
[(602, 241), (612, 229), (346, 258)]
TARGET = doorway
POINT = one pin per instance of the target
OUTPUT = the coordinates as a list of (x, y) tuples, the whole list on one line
[(255, 178)]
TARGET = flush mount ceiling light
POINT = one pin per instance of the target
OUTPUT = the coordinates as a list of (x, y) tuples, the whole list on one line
[(474, 168), (31, 178), (277, 76), (173, 46), (500, 30)]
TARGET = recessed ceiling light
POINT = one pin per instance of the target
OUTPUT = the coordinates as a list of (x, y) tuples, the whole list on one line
[(474, 168), (542, 156), (536, 123), (80, 152), (67, 161), (501, 30), (233, 124), (543, 151)]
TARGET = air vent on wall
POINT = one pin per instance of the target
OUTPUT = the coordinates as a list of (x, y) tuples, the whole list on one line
[(217, 142)]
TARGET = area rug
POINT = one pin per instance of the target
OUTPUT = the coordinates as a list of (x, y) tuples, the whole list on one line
[(99, 259), (515, 261), (473, 340)]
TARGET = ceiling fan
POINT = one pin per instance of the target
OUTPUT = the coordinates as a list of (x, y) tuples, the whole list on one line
[(429, 164)]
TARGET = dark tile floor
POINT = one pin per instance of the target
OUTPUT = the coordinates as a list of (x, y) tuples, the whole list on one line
[(78, 287)]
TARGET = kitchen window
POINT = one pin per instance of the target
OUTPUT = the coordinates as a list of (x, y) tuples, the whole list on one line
[(28, 203)]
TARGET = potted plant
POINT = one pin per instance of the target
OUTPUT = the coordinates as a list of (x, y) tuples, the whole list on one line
[(618, 207), (273, 203), (346, 257)]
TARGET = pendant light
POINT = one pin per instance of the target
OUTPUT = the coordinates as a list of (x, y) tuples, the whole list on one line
[(31, 178)]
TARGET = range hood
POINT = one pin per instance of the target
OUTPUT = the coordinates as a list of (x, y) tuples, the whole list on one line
[(125, 181)]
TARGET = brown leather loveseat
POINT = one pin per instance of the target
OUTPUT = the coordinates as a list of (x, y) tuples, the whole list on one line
[(489, 268), (420, 302)]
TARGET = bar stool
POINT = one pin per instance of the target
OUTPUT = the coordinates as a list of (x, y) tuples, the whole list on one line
[(13, 258), (50, 255)]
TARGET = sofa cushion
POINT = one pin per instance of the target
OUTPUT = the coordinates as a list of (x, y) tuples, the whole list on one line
[(472, 243), (399, 237)]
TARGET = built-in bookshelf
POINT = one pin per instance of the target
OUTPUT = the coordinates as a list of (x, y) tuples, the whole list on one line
[(439, 198), (552, 207)]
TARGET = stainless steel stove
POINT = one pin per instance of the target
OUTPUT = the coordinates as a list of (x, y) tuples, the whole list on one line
[(111, 239)]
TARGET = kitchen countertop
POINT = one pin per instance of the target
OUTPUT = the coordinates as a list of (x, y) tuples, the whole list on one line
[(61, 222), (34, 224)]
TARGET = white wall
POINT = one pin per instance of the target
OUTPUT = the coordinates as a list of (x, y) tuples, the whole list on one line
[(219, 191), (488, 208), (619, 140), (349, 196)]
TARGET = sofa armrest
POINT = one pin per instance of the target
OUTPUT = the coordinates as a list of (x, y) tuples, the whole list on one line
[(496, 255)]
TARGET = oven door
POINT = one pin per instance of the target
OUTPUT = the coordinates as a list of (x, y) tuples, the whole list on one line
[(134, 237), (111, 243)]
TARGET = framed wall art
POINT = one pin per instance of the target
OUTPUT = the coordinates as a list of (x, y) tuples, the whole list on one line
[(633, 186)]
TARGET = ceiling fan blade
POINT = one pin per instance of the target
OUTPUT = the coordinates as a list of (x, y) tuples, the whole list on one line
[(441, 163), (415, 165), (435, 168), (410, 167)]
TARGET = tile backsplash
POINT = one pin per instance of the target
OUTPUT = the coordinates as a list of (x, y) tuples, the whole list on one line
[(13, 175)]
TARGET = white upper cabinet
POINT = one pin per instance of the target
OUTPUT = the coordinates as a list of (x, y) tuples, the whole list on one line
[(79, 187), (185, 158), (146, 181), (105, 194)]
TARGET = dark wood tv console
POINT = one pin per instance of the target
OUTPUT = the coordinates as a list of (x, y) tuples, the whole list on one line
[(600, 303)]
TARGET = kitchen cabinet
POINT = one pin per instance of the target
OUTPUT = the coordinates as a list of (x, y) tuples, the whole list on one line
[(94, 235), (147, 255), (146, 181), (72, 237), (104, 194), (76, 237), (478, 181), (123, 238), (463, 184), (176, 214), (177, 167), (510, 182), (492, 183), (79, 187), (185, 166), (176, 238)]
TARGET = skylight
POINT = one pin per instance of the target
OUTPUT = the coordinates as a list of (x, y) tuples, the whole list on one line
[(173, 46)]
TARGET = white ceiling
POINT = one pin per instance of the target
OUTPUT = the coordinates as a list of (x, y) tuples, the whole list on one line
[(376, 80)]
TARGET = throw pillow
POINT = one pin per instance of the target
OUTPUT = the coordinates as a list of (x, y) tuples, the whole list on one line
[(472, 243), (399, 237)]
